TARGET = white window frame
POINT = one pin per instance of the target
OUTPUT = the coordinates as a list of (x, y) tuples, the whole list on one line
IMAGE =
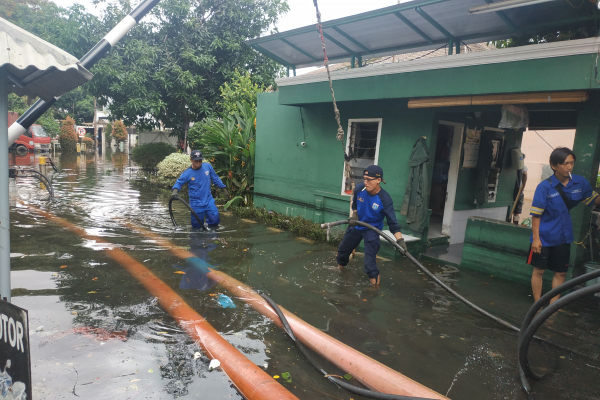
[(350, 121)]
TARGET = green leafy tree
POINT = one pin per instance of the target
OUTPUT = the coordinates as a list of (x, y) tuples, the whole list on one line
[(17, 104), (169, 68), (68, 137), (77, 103), (72, 29), (240, 89), (119, 132)]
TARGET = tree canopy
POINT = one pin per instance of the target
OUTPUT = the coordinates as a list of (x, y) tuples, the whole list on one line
[(169, 69)]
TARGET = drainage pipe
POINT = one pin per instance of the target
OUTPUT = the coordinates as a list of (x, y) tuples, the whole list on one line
[(251, 381), (338, 381), (369, 372)]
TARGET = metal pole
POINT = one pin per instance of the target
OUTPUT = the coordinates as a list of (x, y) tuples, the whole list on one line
[(95, 128), (21, 125), (450, 46), (4, 206)]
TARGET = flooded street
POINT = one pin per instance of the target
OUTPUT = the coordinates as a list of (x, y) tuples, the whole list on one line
[(97, 333)]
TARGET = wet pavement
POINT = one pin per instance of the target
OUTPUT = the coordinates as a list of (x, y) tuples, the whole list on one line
[(96, 333)]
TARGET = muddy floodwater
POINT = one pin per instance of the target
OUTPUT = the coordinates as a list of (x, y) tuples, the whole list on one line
[(96, 333)]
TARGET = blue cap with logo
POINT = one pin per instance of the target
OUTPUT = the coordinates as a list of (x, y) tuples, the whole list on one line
[(374, 171), (196, 155)]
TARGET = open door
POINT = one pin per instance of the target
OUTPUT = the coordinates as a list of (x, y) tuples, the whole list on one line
[(445, 177)]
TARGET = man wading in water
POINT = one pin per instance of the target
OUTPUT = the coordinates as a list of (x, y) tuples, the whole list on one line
[(199, 178), (370, 204)]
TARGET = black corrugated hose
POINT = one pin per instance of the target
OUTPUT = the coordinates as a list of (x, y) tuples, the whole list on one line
[(200, 221), (530, 324), (533, 320), (39, 176)]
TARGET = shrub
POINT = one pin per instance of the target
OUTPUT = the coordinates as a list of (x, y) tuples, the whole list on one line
[(89, 144), (169, 169), (149, 155), (229, 144), (119, 132), (68, 138), (239, 89)]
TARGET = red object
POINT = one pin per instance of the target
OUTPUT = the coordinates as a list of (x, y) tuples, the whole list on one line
[(35, 138)]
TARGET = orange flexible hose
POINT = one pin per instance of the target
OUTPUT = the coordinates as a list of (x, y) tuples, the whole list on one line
[(251, 381), (369, 372)]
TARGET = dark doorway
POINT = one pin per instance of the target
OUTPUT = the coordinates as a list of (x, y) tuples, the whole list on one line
[(439, 181)]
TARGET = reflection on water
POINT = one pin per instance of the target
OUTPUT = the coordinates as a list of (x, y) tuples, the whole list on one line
[(98, 334)]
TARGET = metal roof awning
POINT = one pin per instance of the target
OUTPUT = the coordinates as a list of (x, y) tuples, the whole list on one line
[(416, 26), (36, 67)]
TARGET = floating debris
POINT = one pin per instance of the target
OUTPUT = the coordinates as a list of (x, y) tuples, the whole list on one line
[(225, 301), (214, 364)]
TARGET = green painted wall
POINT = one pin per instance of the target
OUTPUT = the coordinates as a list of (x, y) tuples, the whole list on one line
[(549, 74), (499, 249), (307, 181), (587, 150)]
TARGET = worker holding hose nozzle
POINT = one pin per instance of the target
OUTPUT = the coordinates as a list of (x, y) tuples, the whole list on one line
[(199, 178), (552, 229), (370, 204)]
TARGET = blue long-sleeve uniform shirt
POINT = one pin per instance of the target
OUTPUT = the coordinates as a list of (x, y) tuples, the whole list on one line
[(555, 222), (199, 181), (373, 208)]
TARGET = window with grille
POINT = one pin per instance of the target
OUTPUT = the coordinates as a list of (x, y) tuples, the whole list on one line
[(362, 145)]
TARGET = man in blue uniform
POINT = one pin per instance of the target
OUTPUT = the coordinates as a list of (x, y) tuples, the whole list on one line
[(199, 178), (370, 204), (552, 230)]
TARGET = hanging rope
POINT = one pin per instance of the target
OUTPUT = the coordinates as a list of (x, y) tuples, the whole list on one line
[(336, 112), (340, 133)]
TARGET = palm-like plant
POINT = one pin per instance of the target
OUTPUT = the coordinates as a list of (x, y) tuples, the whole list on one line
[(229, 144)]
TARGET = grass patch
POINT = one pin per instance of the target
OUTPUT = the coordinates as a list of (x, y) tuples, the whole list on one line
[(298, 225)]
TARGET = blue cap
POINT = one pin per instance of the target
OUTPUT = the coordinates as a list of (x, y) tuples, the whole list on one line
[(196, 155), (374, 171)]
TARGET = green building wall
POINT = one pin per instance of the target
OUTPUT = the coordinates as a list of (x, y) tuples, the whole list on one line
[(547, 74), (307, 181)]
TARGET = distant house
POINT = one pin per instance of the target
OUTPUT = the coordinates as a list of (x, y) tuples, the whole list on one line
[(454, 101)]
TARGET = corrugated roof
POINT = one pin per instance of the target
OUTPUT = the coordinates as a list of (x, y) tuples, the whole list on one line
[(416, 26), (36, 67)]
